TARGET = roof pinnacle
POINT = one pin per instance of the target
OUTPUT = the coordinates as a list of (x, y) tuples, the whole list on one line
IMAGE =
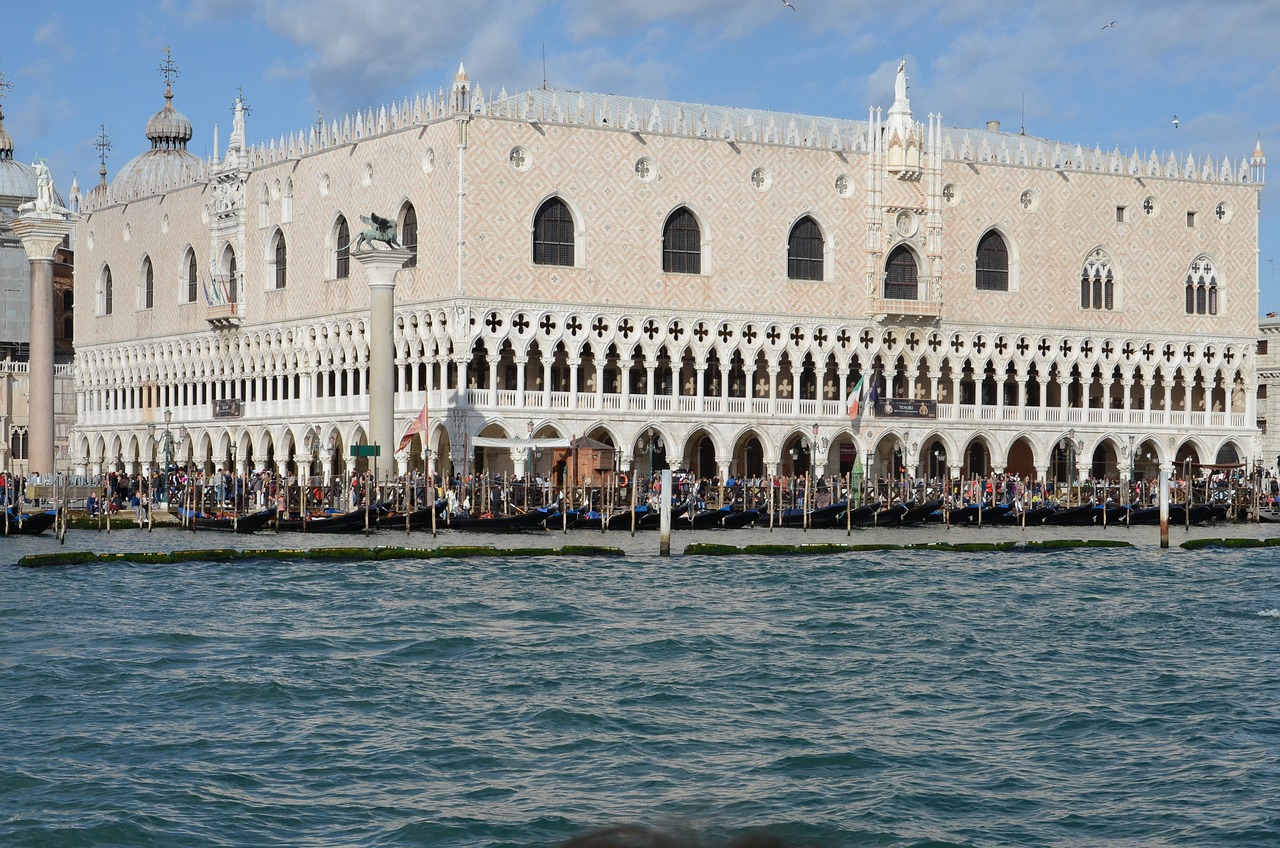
[(169, 72)]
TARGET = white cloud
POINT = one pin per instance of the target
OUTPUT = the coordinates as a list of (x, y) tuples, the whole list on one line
[(378, 49)]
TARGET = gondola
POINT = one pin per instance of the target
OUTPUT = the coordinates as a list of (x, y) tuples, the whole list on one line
[(652, 520), (888, 515), (28, 523), (706, 519), (978, 515), (622, 520), (910, 514), (419, 519), (1031, 516), (862, 516), (1075, 516), (830, 516), (743, 518), (331, 522), (535, 520), (249, 523), (1116, 515), (1200, 513)]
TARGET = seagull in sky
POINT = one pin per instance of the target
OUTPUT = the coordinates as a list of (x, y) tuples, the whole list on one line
[(1175, 122), (787, 3), (1110, 25)]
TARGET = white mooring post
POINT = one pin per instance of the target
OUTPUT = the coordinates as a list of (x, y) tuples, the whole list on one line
[(664, 539), (1164, 508)]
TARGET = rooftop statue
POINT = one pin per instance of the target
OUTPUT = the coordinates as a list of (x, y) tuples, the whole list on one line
[(900, 84), (44, 204), (380, 229)]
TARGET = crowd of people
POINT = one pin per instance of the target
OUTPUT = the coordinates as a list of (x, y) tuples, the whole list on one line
[(222, 492)]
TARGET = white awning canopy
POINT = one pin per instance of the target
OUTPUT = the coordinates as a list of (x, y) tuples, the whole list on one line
[(519, 444)]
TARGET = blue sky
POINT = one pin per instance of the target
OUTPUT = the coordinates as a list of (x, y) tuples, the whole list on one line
[(76, 65)]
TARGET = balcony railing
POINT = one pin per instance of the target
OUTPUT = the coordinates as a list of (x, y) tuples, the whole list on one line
[(706, 410)]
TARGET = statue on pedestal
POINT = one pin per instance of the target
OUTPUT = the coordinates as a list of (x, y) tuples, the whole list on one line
[(44, 204)]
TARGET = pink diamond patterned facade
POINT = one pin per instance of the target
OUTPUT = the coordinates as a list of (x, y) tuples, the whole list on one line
[(1016, 291)]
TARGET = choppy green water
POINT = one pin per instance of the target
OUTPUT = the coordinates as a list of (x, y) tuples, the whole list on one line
[(1072, 699)]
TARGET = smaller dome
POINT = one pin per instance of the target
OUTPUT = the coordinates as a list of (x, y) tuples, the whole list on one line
[(169, 128), (160, 166)]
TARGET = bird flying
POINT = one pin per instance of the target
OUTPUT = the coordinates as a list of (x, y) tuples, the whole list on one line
[(1175, 122), (1110, 25), (787, 3)]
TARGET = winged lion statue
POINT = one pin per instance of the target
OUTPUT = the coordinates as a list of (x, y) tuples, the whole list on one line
[(379, 229)]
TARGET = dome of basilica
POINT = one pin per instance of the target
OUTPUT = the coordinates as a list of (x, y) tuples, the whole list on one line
[(167, 163)]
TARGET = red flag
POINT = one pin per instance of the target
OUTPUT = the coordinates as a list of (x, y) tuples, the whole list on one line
[(418, 425)]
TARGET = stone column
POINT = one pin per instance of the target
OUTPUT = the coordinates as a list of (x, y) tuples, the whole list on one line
[(41, 234), (380, 267)]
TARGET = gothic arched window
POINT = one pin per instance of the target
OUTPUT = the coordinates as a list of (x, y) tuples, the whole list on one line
[(553, 238), (148, 284), (1097, 282), (193, 286), (1202, 287), (681, 243), (104, 291), (805, 251), (341, 250), (281, 258), (901, 275), (991, 266), (233, 277), (409, 233)]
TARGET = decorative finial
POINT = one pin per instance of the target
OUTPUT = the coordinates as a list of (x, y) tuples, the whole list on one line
[(103, 143), (319, 121), (169, 72), (5, 87)]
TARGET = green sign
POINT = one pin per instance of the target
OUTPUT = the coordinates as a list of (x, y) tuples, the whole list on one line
[(366, 450)]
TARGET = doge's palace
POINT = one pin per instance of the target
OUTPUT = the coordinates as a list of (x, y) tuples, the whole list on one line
[(698, 286)]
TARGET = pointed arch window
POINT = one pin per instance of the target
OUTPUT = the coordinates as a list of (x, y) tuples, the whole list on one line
[(281, 259), (1097, 282), (1202, 287), (409, 234), (193, 285), (106, 290), (681, 243), (901, 275), (342, 250), (233, 277), (553, 237), (148, 284), (805, 250), (991, 265)]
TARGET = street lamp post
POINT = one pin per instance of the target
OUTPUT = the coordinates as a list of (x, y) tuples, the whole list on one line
[(866, 466), (650, 442), (1132, 471), (1068, 446), (168, 454), (1187, 495), (531, 455), (235, 478)]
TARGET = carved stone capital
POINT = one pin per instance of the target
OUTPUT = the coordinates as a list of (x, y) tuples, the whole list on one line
[(41, 234)]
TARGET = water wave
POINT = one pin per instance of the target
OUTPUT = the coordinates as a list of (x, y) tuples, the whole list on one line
[(1068, 699)]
